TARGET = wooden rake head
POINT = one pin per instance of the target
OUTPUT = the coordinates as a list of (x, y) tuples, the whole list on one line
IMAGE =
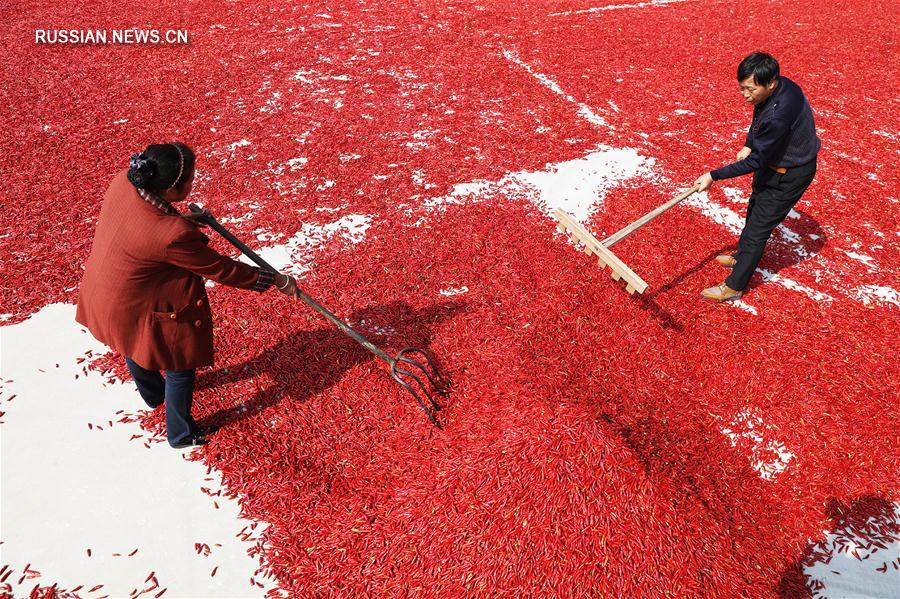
[(581, 236)]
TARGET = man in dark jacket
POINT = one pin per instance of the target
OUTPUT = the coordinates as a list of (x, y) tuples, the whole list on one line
[(780, 151)]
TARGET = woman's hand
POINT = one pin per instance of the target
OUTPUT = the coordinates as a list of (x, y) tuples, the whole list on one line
[(743, 153), (286, 284), (197, 218)]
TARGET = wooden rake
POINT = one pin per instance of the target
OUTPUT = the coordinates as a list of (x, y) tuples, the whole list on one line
[(579, 235)]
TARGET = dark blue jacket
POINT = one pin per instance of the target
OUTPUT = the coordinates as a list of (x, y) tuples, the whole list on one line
[(782, 134)]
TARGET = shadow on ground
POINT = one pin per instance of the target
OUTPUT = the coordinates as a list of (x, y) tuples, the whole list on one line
[(307, 363)]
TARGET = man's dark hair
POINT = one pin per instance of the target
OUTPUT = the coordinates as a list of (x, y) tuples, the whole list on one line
[(161, 166), (761, 66)]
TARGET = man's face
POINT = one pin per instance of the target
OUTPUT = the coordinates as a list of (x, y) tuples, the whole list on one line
[(754, 93)]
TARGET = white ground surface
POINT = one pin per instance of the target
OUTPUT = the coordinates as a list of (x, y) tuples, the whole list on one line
[(847, 575), (577, 186), (67, 488)]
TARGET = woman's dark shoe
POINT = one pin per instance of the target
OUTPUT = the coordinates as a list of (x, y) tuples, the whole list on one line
[(193, 440), (207, 431)]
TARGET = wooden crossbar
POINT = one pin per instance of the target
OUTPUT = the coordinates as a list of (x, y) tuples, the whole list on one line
[(605, 257), (579, 235)]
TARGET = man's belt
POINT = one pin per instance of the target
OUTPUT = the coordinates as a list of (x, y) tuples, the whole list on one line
[(778, 169)]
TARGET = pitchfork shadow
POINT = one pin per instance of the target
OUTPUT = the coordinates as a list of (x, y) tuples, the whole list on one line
[(309, 362)]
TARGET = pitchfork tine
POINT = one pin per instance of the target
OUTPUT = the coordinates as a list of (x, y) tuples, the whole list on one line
[(396, 372), (438, 381), (434, 404)]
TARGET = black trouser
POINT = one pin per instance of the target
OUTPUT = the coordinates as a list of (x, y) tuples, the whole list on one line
[(773, 197), (176, 389)]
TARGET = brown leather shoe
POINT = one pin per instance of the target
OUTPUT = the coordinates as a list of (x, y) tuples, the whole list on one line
[(721, 293), (726, 260)]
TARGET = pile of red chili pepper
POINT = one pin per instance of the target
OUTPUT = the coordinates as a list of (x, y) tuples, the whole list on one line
[(583, 450)]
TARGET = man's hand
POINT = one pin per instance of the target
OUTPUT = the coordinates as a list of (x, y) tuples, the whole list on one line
[(704, 182), (743, 153), (286, 284)]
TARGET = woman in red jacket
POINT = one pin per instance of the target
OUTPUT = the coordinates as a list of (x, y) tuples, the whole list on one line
[(143, 291)]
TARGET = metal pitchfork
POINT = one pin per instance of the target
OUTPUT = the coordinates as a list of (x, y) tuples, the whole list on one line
[(401, 366)]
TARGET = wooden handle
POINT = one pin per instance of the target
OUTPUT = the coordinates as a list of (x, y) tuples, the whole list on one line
[(631, 228), (306, 299)]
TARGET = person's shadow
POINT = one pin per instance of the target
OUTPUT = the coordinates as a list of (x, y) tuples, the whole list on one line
[(797, 239), (801, 238), (308, 362)]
